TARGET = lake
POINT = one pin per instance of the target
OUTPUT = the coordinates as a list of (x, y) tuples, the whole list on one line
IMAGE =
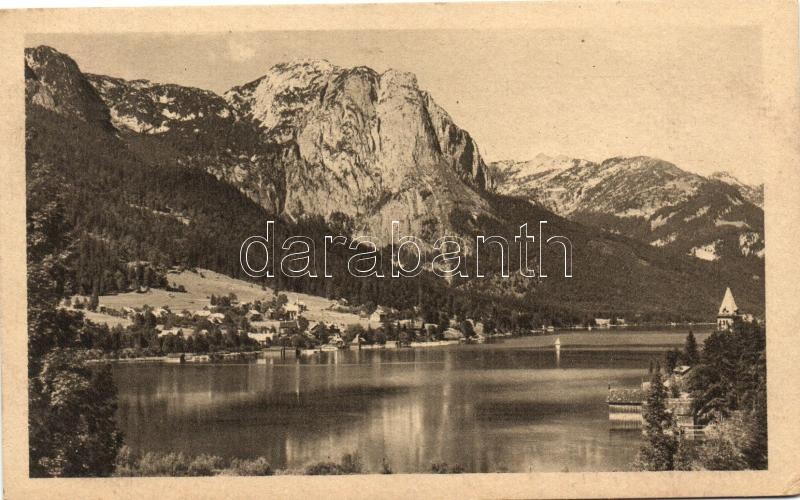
[(513, 406)]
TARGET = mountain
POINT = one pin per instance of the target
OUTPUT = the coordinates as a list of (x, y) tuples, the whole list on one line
[(54, 82), (349, 142), (644, 198), (197, 128), (129, 171), (377, 145), (752, 193)]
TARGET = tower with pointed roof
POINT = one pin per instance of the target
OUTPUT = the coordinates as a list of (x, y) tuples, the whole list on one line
[(728, 312)]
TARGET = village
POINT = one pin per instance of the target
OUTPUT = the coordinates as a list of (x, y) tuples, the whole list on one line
[(192, 323)]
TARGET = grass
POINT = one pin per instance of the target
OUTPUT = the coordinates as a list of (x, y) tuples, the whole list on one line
[(177, 464), (202, 284)]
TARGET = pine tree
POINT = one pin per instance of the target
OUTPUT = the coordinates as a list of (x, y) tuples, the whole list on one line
[(94, 301), (661, 437), (690, 353)]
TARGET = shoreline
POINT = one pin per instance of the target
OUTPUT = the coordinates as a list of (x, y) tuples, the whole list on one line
[(571, 340)]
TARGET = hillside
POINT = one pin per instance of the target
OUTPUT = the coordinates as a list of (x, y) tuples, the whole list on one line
[(201, 284), (752, 193)]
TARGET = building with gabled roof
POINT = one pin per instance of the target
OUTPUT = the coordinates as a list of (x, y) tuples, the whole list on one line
[(728, 312)]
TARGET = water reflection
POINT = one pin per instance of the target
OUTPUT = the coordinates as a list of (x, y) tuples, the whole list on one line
[(487, 408)]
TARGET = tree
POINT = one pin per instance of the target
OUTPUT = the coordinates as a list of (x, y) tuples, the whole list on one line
[(730, 392), (120, 281), (671, 358), (71, 420), (723, 445), (71, 407), (691, 356), (352, 331), (302, 323), (281, 300), (661, 435), (467, 329), (94, 301)]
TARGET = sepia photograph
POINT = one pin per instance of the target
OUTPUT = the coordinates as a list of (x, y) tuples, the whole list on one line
[(367, 251)]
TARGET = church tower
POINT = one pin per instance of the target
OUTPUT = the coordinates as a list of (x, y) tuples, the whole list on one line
[(728, 312)]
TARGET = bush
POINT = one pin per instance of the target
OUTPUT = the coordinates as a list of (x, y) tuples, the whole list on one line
[(351, 463), (324, 469), (444, 468), (205, 465), (126, 462), (163, 464), (255, 467)]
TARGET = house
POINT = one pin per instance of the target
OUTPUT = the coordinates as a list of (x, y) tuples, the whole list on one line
[(168, 331), (728, 312), (626, 410), (286, 327), (621, 322), (452, 334), (264, 339), (216, 318), (681, 409), (602, 322), (380, 315), (292, 310), (254, 315), (408, 323), (317, 329), (681, 370)]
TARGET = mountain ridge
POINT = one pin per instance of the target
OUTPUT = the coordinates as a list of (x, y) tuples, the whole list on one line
[(645, 198), (337, 141), (201, 162)]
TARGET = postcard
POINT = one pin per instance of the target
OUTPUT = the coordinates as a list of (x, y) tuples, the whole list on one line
[(522, 250)]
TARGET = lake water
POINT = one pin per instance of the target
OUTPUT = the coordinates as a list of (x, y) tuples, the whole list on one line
[(511, 406)]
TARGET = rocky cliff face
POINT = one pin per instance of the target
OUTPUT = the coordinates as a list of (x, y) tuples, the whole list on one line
[(53, 81), (310, 138), (370, 146), (645, 198)]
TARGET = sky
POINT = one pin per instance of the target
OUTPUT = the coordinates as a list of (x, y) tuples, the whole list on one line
[(692, 96)]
